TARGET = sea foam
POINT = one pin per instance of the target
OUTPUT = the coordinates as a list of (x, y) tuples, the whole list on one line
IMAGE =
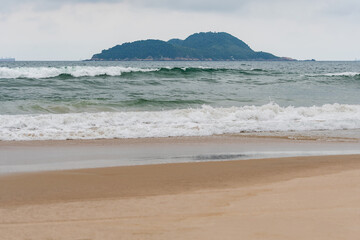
[(93, 71), (345, 74), (181, 122), (75, 71), (335, 74)]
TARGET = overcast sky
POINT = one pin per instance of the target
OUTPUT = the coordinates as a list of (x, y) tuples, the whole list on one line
[(76, 29)]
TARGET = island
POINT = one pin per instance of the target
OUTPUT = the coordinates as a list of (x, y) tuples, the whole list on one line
[(204, 46)]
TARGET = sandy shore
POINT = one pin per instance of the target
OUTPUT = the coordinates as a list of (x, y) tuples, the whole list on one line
[(289, 198), (34, 156)]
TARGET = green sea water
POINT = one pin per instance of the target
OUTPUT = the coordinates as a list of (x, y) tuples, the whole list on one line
[(89, 100), (69, 87)]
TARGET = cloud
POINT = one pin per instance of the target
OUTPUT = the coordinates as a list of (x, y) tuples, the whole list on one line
[(336, 7), (189, 5), (75, 29), (14, 5), (345, 8)]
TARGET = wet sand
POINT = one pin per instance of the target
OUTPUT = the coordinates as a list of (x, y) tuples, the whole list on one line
[(285, 198), (34, 156)]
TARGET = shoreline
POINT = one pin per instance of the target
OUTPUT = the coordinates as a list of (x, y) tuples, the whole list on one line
[(165, 197), (285, 198), (159, 179), (315, 135), (37, 156)]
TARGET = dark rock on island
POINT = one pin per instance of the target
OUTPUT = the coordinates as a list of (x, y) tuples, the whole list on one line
[(208, 46)]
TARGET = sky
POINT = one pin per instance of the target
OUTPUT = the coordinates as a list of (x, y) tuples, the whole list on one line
[(77, 29)]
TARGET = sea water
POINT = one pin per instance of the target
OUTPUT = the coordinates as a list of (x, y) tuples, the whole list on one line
[(105, 100)]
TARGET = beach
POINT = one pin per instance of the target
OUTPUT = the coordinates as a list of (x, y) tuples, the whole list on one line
[(179, 150), (299, 197)]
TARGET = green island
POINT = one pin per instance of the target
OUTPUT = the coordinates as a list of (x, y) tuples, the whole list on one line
[(209, 46)]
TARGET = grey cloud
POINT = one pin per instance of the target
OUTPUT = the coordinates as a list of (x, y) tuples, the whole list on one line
[(191, 5), (13, 5), (340, 7), (194, 5), (345, 8)]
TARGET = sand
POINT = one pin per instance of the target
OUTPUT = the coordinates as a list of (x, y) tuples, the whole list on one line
[(288, 198)]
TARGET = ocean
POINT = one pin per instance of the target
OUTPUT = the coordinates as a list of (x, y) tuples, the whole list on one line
[(107, 100)]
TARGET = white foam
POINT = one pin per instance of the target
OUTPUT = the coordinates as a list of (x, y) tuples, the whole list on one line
[(182, 122), (345, 74), (75, 71)]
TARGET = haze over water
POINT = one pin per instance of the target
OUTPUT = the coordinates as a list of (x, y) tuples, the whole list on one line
[(89, 100)]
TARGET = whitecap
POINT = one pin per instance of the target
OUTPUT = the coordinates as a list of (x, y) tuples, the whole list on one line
[(202, 121)]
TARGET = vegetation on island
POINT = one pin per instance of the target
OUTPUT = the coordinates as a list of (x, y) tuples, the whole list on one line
[(209, 46)]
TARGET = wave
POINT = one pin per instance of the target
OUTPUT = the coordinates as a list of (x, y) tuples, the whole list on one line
[(182, 122), (74, 71), (94, 105), (88, 71), (345, 74), (340, 74)]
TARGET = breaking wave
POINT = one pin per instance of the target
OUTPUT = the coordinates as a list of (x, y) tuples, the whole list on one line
[(344, 74), (74, 71), (339, 74), (90, 71), (202, 121)]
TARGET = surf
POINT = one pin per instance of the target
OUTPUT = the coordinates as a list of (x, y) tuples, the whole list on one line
[(203, 121)]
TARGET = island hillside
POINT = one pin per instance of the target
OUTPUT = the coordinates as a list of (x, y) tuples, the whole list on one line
[(209, 46)]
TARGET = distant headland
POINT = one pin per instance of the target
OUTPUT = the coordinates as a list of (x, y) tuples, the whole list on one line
[(7, 59), (209, 46)]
